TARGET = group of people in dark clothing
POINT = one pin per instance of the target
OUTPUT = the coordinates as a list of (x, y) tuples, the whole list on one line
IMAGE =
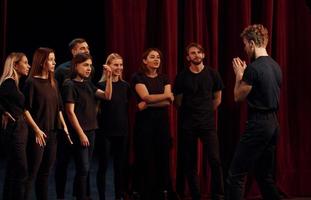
[(68, 115)]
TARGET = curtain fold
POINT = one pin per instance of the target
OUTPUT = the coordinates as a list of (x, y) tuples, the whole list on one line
[(3, 30)]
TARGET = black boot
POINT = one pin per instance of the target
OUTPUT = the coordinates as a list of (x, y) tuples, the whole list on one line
[(164, 195), (135, 196)]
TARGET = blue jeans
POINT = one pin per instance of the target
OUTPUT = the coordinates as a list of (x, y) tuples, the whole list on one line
[(63, 158), (82, 157)]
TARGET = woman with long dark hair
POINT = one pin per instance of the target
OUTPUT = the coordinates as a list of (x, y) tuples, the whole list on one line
[(151, 131), (43, 114)]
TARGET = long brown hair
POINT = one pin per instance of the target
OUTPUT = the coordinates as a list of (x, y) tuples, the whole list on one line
[(143, 68), (8, 68), (40, 57)]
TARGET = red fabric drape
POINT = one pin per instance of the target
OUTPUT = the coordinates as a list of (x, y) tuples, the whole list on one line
[(131, 32), (3, 25), (132, 26), (293, 164)]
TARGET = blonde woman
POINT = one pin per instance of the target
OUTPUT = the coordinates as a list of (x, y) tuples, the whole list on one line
[(112, 136), (12, 104)]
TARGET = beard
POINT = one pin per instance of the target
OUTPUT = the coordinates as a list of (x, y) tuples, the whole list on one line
[(196, 61)]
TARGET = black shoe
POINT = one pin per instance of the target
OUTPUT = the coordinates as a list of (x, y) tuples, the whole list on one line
[(135, 196), (173, 196), (120, 196), (164, 195)]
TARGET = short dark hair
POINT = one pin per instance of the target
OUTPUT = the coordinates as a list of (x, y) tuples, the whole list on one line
[(74, 42), (193, 44)]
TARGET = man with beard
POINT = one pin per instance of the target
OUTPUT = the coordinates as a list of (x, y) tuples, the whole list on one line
[(197, 92), (259, 82), (62, 72)]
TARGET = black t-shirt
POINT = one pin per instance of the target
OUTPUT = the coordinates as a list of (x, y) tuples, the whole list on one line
[(197, 91), (63, 72), (265, 76), (151, 116), (12, 99), (113, 117), (154, 85), (43, 102), (82, 95)]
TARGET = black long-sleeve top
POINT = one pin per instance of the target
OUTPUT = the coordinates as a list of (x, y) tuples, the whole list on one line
[(12, 99)]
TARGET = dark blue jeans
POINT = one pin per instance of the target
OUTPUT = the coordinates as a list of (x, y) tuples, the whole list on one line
[(255, 152), (188, 146), (64, 155), (82, 157)]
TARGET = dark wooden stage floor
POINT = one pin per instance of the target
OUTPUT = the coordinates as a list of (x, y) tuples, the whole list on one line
[(109, 186)]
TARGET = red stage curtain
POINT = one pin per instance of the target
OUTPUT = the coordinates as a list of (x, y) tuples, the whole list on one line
[(3, 25)]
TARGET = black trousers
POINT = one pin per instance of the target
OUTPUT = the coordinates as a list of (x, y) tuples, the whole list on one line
[(151, 148), (16, 170), (188, 147), (63, 157), (256, 151), (116, 146), (40, 162)]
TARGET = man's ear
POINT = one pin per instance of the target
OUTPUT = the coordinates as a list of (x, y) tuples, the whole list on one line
[(252, 43), (187, 57), (203, 55), (73, 52)]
